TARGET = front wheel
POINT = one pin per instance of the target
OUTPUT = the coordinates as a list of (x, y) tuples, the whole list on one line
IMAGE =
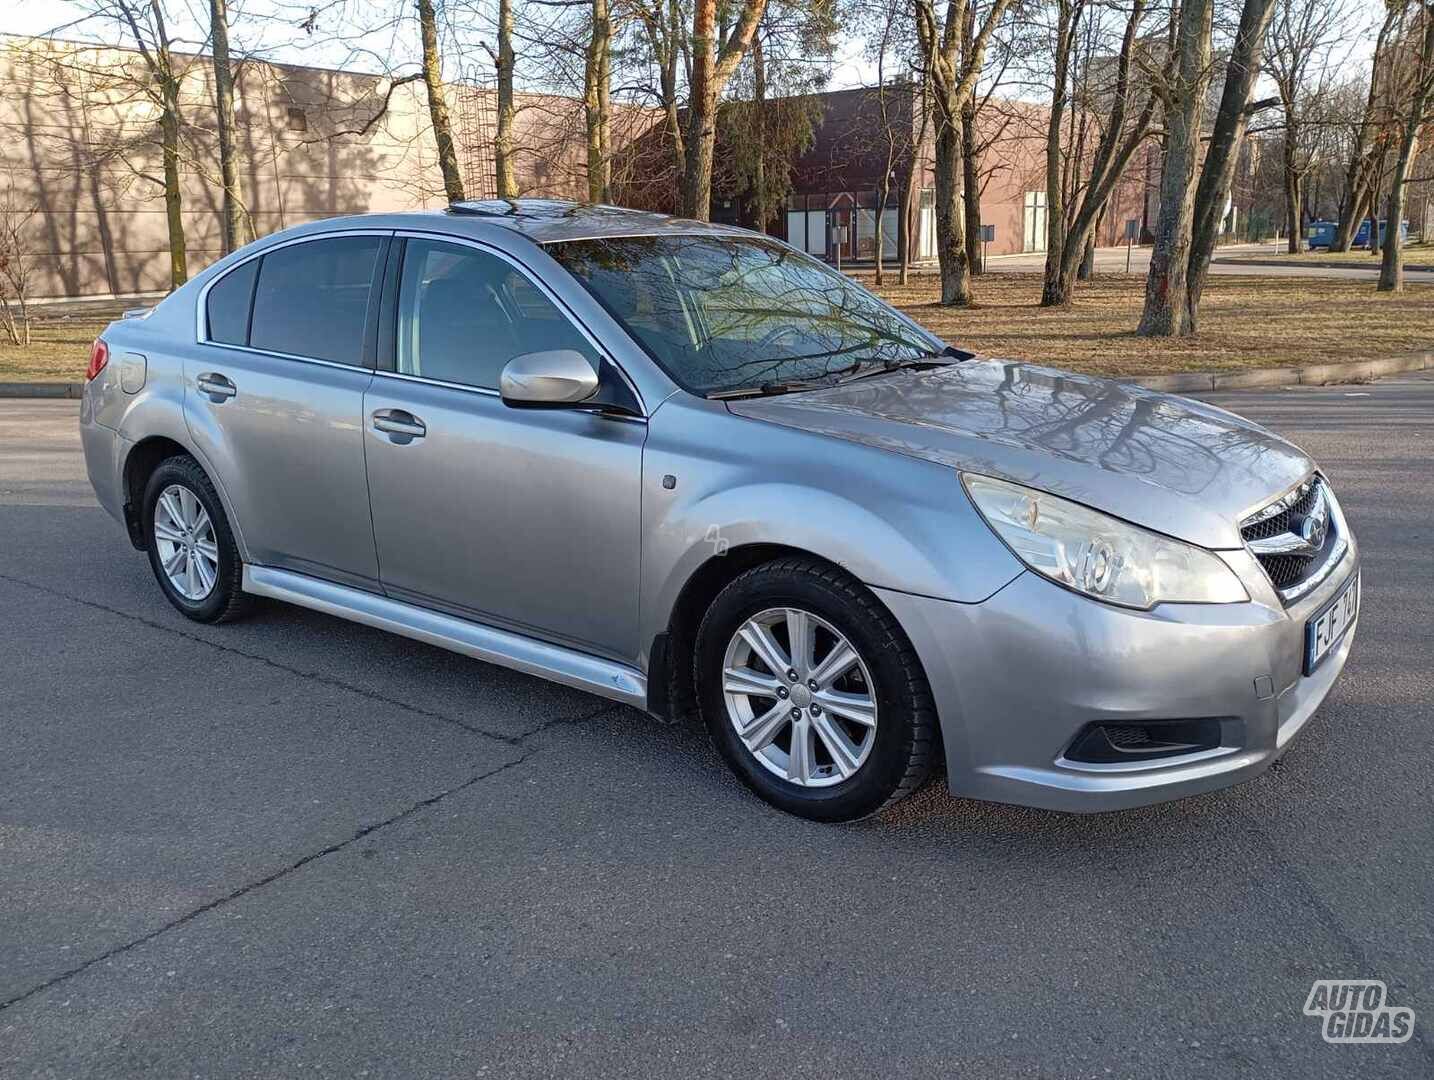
[(812, 692)]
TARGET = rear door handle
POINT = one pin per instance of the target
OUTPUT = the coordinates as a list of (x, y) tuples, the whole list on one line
[(217, 386), (399, 423)]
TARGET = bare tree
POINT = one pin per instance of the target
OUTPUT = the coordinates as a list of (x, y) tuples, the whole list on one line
[(1367, 151), (437, 104), (713, 64), (1217, 174), (1126, 107), (1303, 37), (504, 64), (597, 103), (150, 35), (15, 265), (1183, 90), (1416, 86), (952, 73), (236, 230)]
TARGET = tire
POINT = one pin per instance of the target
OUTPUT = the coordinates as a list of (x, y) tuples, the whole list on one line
[(178, 480), (847, 779)]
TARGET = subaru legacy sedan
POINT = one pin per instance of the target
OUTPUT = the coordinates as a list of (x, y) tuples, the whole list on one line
[(688, 468)]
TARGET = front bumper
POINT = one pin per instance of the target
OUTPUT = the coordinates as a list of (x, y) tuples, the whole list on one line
[(1017, 677)]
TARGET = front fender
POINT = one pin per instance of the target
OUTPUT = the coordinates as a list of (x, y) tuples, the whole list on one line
[(893, 522)]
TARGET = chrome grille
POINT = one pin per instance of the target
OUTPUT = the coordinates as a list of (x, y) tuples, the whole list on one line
[(1295, 537)]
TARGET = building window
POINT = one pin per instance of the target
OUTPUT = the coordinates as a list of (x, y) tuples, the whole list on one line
[(298, 121), (1034, 231)]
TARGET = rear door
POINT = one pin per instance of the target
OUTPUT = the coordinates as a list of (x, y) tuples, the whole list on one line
[(274, 399), (527, 518)]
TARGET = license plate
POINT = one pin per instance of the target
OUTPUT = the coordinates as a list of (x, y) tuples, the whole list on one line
[(1324, 631)]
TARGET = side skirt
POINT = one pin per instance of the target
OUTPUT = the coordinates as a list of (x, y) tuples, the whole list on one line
[(605, 678)]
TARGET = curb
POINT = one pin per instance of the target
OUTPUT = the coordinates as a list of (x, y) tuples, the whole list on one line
[(1236, 260), (1309, 375), (41, 389)]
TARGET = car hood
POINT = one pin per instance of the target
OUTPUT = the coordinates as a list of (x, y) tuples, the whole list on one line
[(1174, 465)]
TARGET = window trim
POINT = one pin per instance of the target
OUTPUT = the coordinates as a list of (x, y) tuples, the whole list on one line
[(387, 351), (201, 310)]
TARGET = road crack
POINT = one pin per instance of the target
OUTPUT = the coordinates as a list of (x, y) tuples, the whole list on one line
[(519, 742), (268, 879)]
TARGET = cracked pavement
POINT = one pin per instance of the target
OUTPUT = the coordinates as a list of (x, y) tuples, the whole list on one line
[(295, 845)]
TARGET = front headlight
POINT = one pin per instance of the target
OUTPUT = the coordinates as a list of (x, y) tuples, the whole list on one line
[(1099, 555)]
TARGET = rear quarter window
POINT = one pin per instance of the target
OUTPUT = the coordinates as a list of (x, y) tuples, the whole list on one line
[(312, 298), (229, 303)]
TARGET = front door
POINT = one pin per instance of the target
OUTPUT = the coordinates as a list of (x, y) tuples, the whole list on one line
[(274, 401), (524, 518)]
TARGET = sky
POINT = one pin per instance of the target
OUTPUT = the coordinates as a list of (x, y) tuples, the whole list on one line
[(269, 28)]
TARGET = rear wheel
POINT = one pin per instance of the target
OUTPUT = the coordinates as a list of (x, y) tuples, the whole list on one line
[(191, 547), (812, 692)]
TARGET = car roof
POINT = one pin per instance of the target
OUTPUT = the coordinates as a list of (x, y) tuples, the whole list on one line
[(547, 220), (543, 221)]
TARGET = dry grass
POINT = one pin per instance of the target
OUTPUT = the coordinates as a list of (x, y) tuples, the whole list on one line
[(1245, 322), (61, 335), (1414, 255)]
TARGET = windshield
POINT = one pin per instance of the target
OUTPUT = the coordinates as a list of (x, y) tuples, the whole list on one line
[(722, 313)]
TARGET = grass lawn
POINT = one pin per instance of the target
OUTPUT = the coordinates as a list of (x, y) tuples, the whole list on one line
[(59, 349), (1414, 255), (1245, 322)]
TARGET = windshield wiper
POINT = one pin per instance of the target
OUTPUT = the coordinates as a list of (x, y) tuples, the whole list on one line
[(946, 356), (766, 389)]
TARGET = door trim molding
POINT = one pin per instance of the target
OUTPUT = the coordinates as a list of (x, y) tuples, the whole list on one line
[(606, 678)]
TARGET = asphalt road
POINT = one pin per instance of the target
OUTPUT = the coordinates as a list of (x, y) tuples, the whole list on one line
[(1112, 261), (299, 846)]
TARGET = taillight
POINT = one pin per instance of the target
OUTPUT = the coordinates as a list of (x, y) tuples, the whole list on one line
[(99, 357)]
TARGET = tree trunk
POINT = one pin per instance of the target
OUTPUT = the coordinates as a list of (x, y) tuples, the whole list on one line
[(437, 104), (701, 114), (173, 199), (1217, 175), (1087, 259), (1167, 313), (1294, 243), (971, 189), (234, 232), (950, 223), (1051, 292), (970, 164), (1391, 268), (505, 180), (1353, 213), (911, 210), (597, 99), (759, 173), (910, 217)]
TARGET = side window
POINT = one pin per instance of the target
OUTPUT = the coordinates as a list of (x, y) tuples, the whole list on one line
[(463, 314), (228, 305), (312, 298)]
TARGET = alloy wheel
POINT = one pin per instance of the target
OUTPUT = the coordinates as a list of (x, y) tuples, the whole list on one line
[(799, 697), (185, 542)]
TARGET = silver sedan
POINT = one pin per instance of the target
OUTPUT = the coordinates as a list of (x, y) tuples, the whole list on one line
[(688, 468)]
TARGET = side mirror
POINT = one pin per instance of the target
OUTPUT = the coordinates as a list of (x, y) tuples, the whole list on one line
[(550, 379)]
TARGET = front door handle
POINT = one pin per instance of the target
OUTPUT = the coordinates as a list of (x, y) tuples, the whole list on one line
[(401, 424), (217, 386)]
